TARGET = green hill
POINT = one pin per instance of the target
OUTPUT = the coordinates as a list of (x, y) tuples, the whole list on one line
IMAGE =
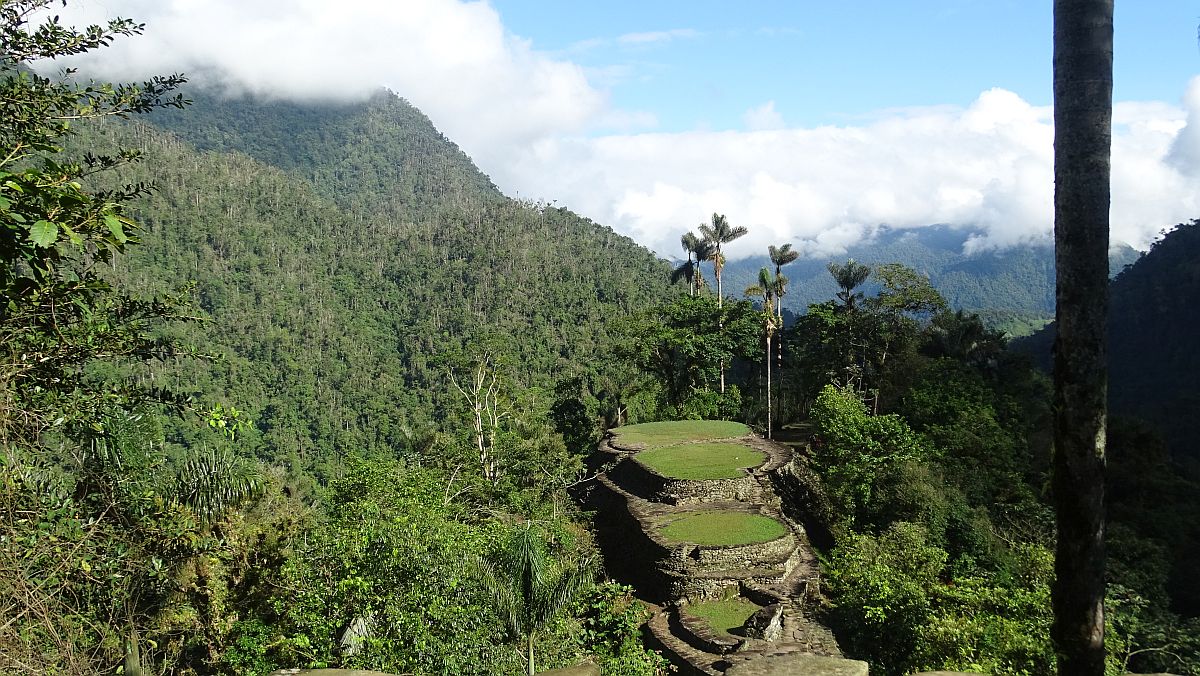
[(1153, 330), (344, 252)]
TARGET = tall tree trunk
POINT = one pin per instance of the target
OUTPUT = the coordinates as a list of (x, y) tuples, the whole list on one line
[(133, 652), (530, 639), (720, 314), (1083, 52), (769, 427)]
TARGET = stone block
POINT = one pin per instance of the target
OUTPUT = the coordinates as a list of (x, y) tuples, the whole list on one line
[(766, 623)]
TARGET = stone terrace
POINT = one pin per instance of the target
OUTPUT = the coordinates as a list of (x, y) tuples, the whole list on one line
[(633, 501)]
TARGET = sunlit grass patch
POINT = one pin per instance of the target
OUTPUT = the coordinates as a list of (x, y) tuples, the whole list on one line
[(702, 461), (726, 614), (678, 431), (711, 527)]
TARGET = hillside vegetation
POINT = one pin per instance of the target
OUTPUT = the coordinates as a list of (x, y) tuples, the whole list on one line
[(341, 288)]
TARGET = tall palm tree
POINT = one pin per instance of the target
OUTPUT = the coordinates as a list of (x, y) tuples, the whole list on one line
[(717, 233), (720, 232), (698, 250), (1083, 58), (766, 289), (528, 587), (781, 256)]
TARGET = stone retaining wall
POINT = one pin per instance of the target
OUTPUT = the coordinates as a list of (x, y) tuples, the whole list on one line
[(646, 483)]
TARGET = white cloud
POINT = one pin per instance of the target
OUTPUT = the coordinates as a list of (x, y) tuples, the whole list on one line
[(485, 88), (763, 118), (987, 167)]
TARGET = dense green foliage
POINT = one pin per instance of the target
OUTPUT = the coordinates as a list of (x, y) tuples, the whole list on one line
[(339, 328), (252, 538), (1154, 466)]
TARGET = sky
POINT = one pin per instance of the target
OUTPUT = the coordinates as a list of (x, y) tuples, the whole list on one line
[(815, 123)]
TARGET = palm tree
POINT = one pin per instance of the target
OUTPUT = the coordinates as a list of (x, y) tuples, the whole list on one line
[(116, 471), (766, 289), (1083, 58), (698, 250), (718, 233), (849, 276), (781, 256), (528, 587)]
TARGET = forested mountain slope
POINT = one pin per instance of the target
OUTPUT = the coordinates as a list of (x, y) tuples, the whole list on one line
[(1153, 331), (1005, 287), (348, 255)]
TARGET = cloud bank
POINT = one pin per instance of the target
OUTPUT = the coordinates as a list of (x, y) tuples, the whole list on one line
[(485, 88), (542, 128), (987, 168)]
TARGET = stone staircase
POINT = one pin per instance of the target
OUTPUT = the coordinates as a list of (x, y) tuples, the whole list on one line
[(632, 501)]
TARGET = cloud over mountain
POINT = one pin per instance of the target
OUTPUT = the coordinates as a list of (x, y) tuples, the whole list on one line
[(987, 167), (540, 125)]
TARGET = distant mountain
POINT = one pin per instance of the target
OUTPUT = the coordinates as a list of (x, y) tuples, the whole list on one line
[(1153, 333), (341, 252), (1006, 287)]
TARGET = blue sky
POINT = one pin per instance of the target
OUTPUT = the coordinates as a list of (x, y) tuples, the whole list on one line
[(815, 123), (702, 64)]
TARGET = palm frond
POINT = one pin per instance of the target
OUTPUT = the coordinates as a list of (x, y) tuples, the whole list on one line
[(209, 483), (685, 271), (782, 255)]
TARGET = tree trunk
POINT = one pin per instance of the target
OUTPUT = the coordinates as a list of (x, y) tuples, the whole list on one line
[(133, 652), (768, 382), (720, 316), (530, 653), (1083, 52)]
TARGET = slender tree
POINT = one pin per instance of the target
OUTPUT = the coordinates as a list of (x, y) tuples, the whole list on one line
[(1083, 55), (717, 233), (698, 250), (687, 269), (528, 587), (849, 276), (781, 256), (766, 290)]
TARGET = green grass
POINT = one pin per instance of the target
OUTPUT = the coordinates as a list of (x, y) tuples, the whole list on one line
[(724, 615), (678, 431), (702, 461), (722, 528)]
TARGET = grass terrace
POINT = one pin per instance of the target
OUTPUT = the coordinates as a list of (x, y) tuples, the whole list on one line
[(719, 528), (725, 615), (679, 431), (702, 461)]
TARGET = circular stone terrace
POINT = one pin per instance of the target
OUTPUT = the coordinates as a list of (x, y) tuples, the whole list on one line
[(669, 433), (721, 528)]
